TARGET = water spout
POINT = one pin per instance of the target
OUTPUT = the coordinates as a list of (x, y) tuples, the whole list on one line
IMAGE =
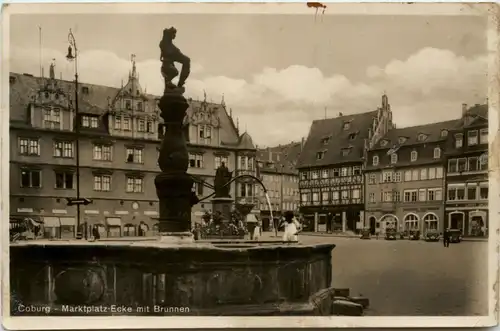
[(270, 207)]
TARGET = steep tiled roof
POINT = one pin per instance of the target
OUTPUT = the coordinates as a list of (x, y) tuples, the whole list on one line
[(410, 135), (246, 141), (338, 139), (96, 99), (283, 157)]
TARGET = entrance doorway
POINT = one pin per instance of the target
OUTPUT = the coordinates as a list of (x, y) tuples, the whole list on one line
[(373, 224), (457, 221)]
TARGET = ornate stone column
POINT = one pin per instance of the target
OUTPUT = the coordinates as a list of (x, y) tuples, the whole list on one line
[(173, 184)]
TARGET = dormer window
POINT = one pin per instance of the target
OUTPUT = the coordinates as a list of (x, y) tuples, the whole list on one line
[(413, 156), (383, 143), (320, 155), (325, 141), (375, 160), (459, 140), (444, 133), (352, 136), (402, 140), (90, 122), (85, 89), (346, 126), (437, 153), (128, 105), (394, 158), (421, 137), (345, 151)]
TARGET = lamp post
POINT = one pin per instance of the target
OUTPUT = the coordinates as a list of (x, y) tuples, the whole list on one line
[(73, 56)]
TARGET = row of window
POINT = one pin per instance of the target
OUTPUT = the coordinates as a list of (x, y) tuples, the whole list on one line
[(103, 152), (287, 191), (278, 178), (414, 195), (126, 124), (413, 157), (468, 164), (390, 176), (65, 180), (276, 206), (474, 137), (331, 173), (327, 196), (469, 191), (456, 192)]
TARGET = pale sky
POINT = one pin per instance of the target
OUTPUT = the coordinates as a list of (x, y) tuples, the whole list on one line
[(279, 72)]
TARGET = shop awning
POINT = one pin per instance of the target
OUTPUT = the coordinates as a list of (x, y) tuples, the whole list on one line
[(69, 221), (114, 221), (51, 222)]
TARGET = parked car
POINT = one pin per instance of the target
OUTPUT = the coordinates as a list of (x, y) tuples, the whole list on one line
[(391, 234), (414, 235), (365, 234), (455, 235), (432, 235)]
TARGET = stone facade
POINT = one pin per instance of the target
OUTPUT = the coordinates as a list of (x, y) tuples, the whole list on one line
[(119, 140)]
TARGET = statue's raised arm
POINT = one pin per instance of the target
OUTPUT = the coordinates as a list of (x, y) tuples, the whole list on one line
[(169, 55)]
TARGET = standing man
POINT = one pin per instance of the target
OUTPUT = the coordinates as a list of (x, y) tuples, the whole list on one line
[(446, 238)]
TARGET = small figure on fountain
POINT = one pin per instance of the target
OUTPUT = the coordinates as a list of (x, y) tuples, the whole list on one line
[(169, 55), (222, 178)]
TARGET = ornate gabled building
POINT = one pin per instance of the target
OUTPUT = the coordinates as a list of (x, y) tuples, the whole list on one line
[(466, 162), (277, 170), (119, 137), (404, 179), (331, 164)]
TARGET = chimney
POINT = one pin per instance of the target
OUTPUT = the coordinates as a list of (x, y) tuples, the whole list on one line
[(464, 109), (269, 155), (302, 144)]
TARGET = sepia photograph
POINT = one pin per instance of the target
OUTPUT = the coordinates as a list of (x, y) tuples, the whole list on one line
[(311, 164)]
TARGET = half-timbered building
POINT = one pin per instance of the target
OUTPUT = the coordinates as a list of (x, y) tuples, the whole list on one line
[(331, 168)]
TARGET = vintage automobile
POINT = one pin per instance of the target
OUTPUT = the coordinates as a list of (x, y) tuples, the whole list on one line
[(391, 234), (365, 233), (432, 235), (455, 235), (414, 235)]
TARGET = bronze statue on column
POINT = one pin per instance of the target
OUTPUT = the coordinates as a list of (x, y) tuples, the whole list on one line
[(173, 184)]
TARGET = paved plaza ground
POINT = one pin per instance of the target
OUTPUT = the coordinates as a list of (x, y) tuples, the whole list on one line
[(412, 277)]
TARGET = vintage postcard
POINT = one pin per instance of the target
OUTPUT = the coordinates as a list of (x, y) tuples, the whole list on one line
[(249, 165)]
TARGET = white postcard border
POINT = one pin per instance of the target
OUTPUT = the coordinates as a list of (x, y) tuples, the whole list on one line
[(110, 322)]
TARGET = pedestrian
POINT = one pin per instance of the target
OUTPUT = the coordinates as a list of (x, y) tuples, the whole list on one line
[(95, 233), (446, 238), (257, 231), (292, 227)]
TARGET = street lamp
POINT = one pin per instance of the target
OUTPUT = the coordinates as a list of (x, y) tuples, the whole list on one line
[(73, 56)]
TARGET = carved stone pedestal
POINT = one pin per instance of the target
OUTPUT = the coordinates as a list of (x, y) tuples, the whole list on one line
[(224, 206)]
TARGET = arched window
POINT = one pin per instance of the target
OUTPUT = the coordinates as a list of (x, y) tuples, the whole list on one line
[(414, 156), (411, 222), (431, 222), (437, 153), (143, 229), (375, 160), (394, 158)]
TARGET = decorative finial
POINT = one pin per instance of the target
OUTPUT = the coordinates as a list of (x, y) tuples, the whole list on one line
[(132, 59), (204, 96), (223, 103)]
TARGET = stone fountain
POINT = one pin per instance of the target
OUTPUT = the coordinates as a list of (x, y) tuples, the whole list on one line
[(154, 276)]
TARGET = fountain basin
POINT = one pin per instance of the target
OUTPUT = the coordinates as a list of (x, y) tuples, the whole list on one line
[(203, 278)]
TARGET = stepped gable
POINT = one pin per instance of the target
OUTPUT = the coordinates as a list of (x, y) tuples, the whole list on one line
[(339, 138), (414, 135), (98, 100)]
